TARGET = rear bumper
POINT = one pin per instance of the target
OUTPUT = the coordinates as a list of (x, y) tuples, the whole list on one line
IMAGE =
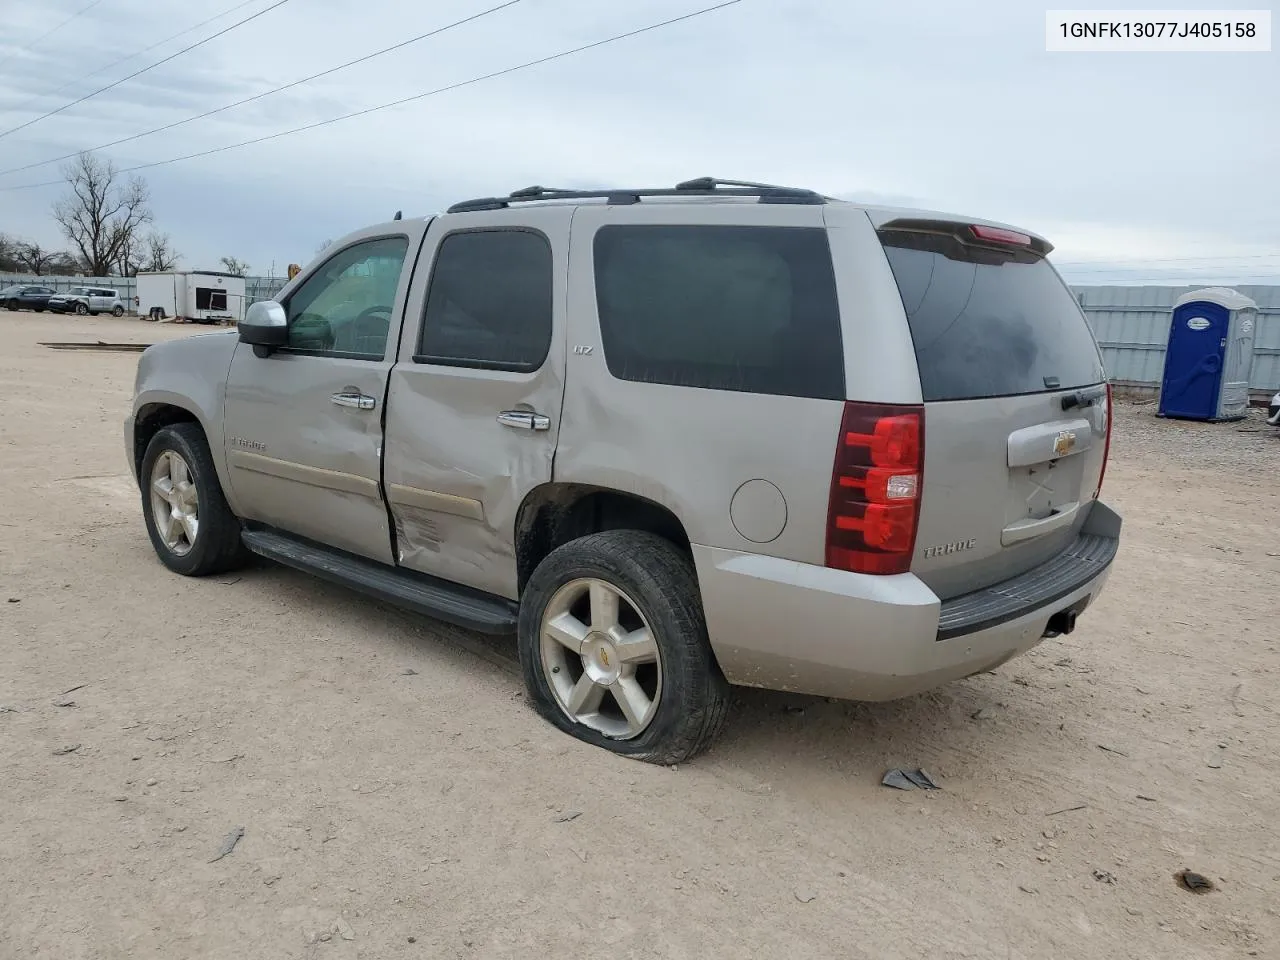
[(798, 627)]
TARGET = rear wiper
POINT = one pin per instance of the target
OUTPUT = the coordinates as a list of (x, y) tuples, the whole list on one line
[(1083, 398)]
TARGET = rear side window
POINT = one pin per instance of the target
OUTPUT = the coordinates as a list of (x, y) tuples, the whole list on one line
[(988, 322), (750, 309), (489, 304)]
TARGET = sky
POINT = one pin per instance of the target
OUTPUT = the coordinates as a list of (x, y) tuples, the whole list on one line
[(1137, 167)]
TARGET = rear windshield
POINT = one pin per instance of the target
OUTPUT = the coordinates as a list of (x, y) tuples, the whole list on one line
[(988, 322)]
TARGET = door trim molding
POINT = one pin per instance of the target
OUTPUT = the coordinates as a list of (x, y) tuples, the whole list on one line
[(433, 500), (301, 473)]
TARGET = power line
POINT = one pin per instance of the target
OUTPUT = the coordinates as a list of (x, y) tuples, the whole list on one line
[(267, 93), (419, 96), (50, 33), (138, 53), (138, 73)]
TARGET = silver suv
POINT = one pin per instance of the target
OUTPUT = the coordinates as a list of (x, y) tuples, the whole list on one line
[(673, 439), (88, 301)]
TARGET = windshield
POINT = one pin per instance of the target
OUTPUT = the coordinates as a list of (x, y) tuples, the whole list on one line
[(986, 321)]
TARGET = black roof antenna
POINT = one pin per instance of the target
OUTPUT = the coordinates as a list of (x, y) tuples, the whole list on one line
[(399, 214)]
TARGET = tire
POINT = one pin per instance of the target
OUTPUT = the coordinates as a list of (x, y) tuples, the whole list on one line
[(82, 310), (117, 311), (217, 547), (655, 579), (12, 305)]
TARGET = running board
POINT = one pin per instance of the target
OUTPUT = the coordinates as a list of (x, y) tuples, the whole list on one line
[(453, 603)]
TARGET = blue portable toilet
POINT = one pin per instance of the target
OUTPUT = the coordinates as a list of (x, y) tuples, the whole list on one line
[(1210, 356)]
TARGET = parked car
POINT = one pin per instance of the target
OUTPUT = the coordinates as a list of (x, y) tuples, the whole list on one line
[(672, 439), (88, 301), (26, 298)]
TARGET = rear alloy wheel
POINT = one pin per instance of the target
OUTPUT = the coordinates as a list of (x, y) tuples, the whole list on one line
[(117, 311), (604, 650), (82, 310), (614, 648)]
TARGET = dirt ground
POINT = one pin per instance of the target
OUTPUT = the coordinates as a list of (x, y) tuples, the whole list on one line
[(400, 799)]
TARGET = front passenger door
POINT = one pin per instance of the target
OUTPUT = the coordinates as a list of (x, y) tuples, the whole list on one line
[(303, 426)]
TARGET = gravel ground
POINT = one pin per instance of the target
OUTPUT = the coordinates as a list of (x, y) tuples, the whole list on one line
[(399, 799)]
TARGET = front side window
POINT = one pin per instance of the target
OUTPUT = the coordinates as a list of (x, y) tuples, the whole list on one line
[(489, 304), (749, 309), (344, 308)]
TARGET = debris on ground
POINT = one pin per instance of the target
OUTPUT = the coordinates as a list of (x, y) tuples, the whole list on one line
[(806, 896), (101, 345), (1104, 876), (15, 600), (343, 929), (69, 748), (901, 779), (228, 844), (231, 759), (78, 686), (408, 672), (1195, 882), (1079, 806), (793, 708), (1119, 753), (566, 817), (64, 702)]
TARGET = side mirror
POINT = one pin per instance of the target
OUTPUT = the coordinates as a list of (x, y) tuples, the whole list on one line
[(265, 326)]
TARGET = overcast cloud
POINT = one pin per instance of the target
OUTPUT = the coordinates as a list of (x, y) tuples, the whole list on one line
[(1130, 160)]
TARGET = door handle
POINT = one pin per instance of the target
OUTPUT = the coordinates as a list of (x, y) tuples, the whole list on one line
[(357, 401), (524, 420)]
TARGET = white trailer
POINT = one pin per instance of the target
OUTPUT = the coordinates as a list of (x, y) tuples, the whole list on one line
[(196, 296)]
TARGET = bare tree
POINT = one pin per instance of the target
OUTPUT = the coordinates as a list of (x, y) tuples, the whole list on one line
[(237, 268), (100, 216), (34, 258), (159, 254), (130, 252), (8, 253)]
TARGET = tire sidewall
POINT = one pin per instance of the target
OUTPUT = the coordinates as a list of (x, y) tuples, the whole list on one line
[(171, 439), (118, 312), (564, 565), (81, 310)]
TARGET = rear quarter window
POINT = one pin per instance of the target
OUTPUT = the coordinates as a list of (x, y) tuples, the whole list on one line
[(988, 322), (749, 309)]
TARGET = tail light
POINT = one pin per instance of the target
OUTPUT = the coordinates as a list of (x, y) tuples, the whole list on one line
[(1001, 235), (875, 488), (1106, 447)]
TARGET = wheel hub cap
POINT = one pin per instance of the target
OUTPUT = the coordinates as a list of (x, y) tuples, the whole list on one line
[(600, 659)]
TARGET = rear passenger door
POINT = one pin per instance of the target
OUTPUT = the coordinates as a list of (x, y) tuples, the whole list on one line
[(473, 405)]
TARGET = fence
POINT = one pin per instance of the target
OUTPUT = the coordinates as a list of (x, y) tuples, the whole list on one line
[(1132, 327), (1131, 323)]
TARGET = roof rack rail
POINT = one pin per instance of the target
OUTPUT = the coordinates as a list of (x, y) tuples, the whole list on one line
[(700, 187)]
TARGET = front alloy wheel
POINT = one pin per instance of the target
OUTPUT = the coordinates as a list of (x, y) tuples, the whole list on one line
[(175, 503), (81, 310)]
